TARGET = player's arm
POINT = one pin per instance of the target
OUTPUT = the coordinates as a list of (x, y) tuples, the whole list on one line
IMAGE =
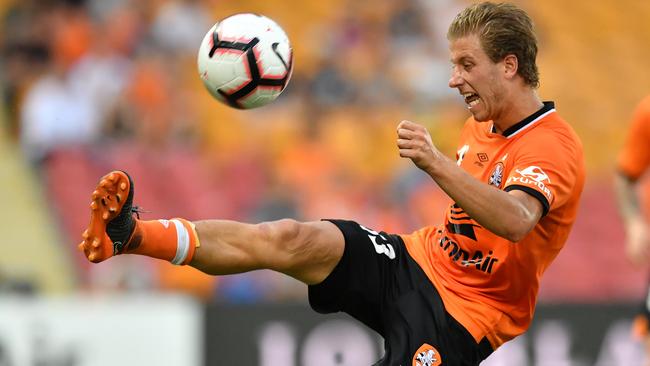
[(633, 161), (636, 230), (510, 215)]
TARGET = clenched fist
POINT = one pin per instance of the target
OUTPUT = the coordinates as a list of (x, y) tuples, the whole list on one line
[(414, 142)]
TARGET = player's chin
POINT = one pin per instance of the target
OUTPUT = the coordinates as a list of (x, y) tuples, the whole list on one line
[(481, 116)]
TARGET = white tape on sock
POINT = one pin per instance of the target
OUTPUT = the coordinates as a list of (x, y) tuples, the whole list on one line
[(183, 243)]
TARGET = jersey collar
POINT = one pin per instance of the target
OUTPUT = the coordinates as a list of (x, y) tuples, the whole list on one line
[(548, 107)]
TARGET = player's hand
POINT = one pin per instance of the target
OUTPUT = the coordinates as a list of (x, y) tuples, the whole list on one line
[(414, 142), (638, 242)]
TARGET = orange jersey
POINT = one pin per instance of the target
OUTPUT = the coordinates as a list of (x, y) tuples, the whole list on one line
[(488, 283), (635, 156)]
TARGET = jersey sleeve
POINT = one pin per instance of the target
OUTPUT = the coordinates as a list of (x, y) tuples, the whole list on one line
[(634, 158), (546, 167)]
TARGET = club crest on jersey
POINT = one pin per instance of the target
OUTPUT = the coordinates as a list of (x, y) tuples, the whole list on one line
[(496, 177), (427, 355)]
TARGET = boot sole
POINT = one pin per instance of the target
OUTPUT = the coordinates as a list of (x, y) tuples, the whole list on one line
[(107, 202)]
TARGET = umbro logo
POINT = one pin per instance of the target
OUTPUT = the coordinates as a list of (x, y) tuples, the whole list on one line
[(481, 158)]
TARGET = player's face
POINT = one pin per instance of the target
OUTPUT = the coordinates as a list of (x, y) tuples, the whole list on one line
[(477, 78)]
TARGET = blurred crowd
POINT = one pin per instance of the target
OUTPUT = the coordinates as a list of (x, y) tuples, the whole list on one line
[(108, 81), (82, 71)]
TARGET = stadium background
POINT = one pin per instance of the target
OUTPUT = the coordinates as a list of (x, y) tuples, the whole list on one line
[(90, 86)]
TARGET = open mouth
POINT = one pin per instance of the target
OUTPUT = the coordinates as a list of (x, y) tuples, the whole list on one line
[(471, 99)]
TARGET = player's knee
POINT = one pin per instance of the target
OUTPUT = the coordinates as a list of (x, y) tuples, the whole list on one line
[(289, 238), (287, 241)]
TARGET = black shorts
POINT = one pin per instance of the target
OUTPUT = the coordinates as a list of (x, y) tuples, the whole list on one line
[(378, 283)]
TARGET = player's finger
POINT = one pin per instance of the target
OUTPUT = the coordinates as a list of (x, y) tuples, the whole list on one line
[(404, 143), (405, 133), (406, 153), (407, 125)]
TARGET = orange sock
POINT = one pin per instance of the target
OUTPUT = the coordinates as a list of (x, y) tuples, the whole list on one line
[(173, 240)]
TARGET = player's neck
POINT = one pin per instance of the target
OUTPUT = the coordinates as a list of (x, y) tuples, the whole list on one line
[(520, 106)]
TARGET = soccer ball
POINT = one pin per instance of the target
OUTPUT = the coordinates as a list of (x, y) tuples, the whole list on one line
[(245, 60)]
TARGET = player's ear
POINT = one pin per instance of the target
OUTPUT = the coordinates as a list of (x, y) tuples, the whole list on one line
[(511, 64)]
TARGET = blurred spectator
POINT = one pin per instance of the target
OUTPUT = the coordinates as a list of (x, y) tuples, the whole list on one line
[(420, 70), (147, 101), (104, 71), (25, 52), (330, 87), (57, 109), (180, 26)]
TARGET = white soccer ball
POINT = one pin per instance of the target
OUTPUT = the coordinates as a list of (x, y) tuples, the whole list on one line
[(245, 60)]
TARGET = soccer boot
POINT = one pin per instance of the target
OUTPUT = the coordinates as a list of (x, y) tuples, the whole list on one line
[(111, 218)]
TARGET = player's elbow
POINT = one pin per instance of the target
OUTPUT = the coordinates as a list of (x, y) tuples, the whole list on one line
[(521, 219), (514, 236), (518, 231)]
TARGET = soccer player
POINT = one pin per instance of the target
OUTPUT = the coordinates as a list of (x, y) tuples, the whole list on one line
[(633, 163), (444, 295)]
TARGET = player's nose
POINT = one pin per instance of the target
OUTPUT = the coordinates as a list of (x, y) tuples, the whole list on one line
[(455, 80)]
